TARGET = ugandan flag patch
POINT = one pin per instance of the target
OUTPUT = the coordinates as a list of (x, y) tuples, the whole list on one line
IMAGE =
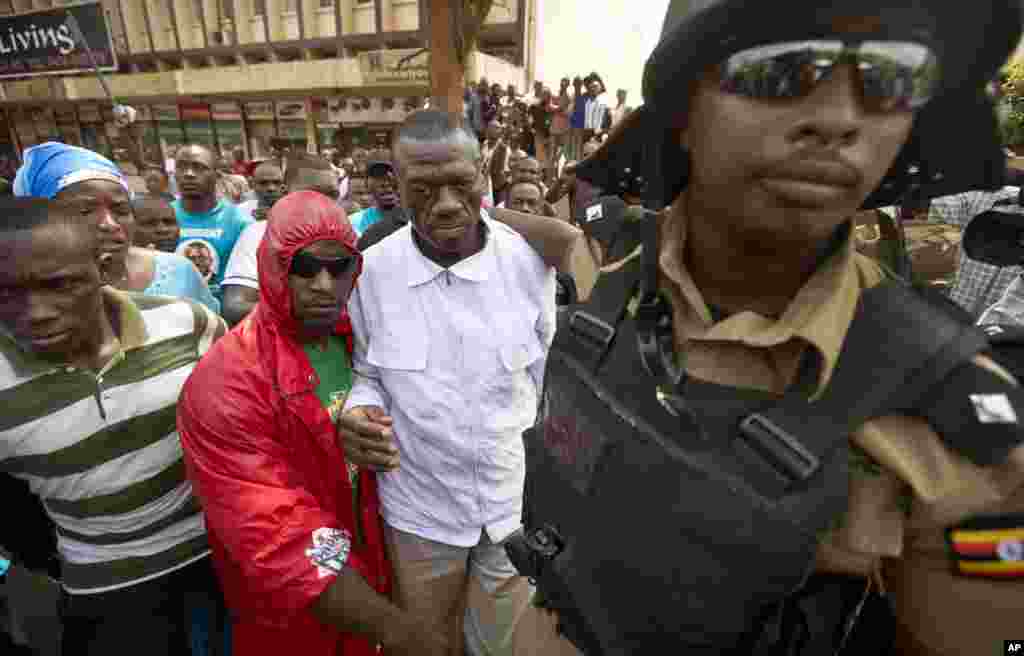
[(989, 547)]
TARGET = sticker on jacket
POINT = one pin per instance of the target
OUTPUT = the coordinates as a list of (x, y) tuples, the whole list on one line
[(330, 550)]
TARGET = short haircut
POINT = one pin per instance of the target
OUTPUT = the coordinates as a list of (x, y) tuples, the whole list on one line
[(433, 125), (214, 157), (30, 212), (305, 163), (149, 201), (528, 183)]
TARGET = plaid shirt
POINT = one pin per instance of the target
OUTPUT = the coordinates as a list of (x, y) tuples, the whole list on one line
[(975, 278)]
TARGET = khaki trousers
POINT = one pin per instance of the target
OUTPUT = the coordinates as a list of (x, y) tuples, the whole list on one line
[(472, 593)]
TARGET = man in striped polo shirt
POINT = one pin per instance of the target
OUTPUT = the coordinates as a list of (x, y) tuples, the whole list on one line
[(89, 385)]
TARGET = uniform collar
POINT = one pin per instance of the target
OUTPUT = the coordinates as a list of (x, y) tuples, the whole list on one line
[(475, 268), (818, 315)]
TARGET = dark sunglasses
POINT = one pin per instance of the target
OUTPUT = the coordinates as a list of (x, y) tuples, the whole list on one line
[(310, 266), (893, 75)]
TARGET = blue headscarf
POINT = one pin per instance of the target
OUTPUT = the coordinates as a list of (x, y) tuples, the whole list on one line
[(50, 167)]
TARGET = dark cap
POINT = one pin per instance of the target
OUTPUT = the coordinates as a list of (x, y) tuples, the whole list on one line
[(972, 41), (378, 168)]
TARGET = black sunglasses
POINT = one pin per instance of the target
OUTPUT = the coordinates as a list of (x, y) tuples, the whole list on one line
[(305, 265), (893, 75)]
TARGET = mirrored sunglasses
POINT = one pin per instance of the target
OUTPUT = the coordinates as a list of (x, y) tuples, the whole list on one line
[(893, 75), (310, 266)]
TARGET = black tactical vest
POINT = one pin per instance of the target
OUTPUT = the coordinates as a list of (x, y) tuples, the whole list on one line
[(671, 520)]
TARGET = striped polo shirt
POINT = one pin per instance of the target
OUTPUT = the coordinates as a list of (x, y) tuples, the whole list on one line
[(101, 449)]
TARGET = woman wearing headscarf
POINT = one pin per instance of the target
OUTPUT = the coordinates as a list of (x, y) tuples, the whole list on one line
[(98, 187)]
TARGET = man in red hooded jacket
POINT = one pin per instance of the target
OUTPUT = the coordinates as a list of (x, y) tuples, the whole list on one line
[(294, 530)]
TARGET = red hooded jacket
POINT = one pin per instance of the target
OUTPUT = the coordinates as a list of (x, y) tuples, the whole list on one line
[(260, 451)]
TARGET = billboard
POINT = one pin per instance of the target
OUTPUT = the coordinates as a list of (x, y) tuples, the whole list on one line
[(42, 43), (398, 67)]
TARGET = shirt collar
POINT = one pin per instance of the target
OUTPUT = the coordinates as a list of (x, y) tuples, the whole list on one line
[(475, 268), (819, 315)]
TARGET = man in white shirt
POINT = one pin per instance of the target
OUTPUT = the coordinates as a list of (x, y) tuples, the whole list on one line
[(596, 112), (453, 318)]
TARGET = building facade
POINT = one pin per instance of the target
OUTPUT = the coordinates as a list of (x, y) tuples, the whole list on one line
[(243, 74)]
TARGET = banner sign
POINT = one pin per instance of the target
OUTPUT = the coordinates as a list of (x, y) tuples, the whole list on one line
[(291, 110), (226, 112), (259, 111), (395, 67), (194, 111), (42, 43)]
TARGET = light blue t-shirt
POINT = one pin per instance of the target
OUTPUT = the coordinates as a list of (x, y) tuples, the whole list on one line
[(207, 239), (175, 275), (362, 220)]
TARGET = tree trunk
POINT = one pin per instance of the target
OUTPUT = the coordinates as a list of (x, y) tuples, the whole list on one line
[(454, 29), (446, 69)]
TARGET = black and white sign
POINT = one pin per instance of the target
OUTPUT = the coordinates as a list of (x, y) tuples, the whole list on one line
[(42, 43)]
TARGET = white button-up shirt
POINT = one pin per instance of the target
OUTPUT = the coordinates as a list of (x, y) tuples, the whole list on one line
[(456, 357), (593, 117)]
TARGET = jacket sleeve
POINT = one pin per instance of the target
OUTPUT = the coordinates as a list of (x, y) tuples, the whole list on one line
[(256, 504)]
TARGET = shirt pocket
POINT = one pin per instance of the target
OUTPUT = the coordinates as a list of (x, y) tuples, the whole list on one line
[(407, 353)]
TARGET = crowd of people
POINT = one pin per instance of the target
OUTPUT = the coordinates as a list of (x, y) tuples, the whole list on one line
[(289, 405), (132, 293)]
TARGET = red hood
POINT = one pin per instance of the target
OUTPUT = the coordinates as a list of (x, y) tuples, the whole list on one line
[(295, 222)]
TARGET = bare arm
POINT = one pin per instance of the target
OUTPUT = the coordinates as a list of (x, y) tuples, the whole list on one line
[(239, 301), (552, 238), (352, 606)]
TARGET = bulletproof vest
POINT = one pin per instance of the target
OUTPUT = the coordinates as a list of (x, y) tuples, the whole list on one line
[(674, 519)]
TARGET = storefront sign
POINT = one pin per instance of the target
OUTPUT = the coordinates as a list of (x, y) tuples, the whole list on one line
[(395, 67), (259, 111), (195, 111), (291, 110), (226, 112), (166, 113), (42, 43)]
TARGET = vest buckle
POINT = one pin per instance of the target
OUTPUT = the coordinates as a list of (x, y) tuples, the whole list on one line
[(592, 329), (783, 451)]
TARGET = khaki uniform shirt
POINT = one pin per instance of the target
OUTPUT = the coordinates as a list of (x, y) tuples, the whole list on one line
[(906, 555)]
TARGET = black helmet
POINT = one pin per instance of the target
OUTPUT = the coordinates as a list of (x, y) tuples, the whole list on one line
[(954, 145)]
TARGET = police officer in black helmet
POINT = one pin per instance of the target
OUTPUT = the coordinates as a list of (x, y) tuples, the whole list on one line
[(749, 429)]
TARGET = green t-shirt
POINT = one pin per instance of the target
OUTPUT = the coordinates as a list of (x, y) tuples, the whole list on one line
[(332, 367)]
